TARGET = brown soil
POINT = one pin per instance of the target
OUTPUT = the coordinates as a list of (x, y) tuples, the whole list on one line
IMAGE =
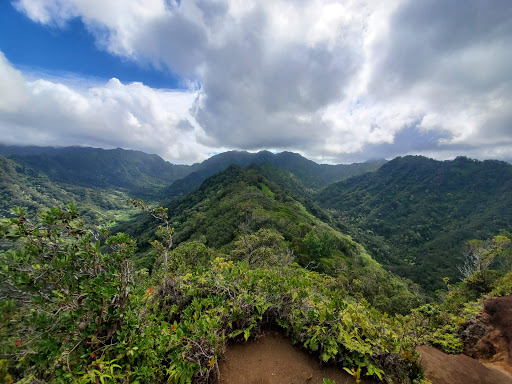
[(441, 368), (272, 359)]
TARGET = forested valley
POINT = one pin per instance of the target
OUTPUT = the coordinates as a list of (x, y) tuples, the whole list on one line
[(117, 266)]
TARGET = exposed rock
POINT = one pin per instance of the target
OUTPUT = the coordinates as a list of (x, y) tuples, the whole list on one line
[(488, 336), (500, 311)]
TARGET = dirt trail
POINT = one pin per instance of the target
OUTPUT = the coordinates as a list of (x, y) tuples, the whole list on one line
[(272, 359), (441, 368)]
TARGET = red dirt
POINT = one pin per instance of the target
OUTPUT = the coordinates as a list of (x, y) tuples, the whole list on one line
[(500, 310), (272, 359), (441, 368)]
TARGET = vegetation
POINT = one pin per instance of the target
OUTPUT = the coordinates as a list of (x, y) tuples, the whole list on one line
[(414, 214), (311, 174), (135, 173), (240, 212), (250, 248), (78, 312), (24, 187)]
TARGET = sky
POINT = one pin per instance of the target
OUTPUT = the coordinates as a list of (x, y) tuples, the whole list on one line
[(336, 81)]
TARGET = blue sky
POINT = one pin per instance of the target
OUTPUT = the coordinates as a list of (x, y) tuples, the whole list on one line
[(337, 81), (71, 49)]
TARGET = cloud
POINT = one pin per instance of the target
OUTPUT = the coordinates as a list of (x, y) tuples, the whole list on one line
[(333, 80), (454, 63), (105, 115)]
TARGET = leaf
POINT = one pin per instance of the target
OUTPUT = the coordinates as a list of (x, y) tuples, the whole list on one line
[(235, 333)]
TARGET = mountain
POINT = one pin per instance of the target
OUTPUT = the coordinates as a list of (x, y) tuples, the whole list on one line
[(311, 174), (22, 186), (414, 214), (241, 202), (134, 172)]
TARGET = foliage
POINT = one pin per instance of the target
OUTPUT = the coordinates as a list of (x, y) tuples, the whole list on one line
[(262, 249), (442, 324), (5, 378), (230, 301), (307, 172), (80, 313), (22, 186), (241, 213), (70, 298), (136, 173), (414, 214)]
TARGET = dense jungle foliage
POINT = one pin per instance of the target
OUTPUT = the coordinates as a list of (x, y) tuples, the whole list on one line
[(241, 209), (311, 174), (159, 297), (74, 308), (414, 214), (22, 186)]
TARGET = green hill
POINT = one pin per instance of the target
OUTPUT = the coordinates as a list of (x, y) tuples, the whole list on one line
[(311, 174), (22, 186), (135, 172), (414, 214), (237, 203), (252, 248)]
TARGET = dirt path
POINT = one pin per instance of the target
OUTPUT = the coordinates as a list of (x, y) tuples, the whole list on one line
[(272, 359), (441, 368)]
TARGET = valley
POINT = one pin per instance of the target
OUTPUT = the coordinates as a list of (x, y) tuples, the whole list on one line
[(357, 264)]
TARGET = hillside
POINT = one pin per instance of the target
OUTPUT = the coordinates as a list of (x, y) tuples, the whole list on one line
[(414, 214), (248, 252), (134, 172), (150, 177), (22, 186), (237, 203), (312, 175)]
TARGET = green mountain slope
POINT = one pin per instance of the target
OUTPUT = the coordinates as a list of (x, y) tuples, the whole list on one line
[(311, 174), (235, 204), (24, 187), (134, 172), (414, 214)]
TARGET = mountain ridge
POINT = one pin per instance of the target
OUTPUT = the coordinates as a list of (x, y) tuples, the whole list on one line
[(415, 213)]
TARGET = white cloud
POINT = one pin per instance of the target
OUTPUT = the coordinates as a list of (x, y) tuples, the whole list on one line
[(106, 115), (327, 78)]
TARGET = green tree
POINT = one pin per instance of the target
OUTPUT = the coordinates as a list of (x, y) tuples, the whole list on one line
[(189, 256), (319, 246), (263, 248), (69, 289), (165, 231), (479, 256)]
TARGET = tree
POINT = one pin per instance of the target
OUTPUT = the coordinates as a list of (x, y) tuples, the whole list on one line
[(66, 288), (479, 255), (263, 248), (165, 231)]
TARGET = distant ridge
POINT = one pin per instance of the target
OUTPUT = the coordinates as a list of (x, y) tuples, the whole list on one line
[(133, 171), (311, 174), (416, 213)]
